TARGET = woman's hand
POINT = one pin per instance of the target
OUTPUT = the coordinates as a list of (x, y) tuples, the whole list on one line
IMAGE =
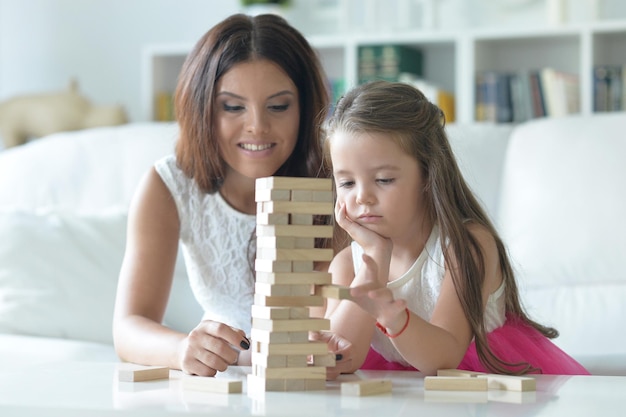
[(340, 347), (211, 347)]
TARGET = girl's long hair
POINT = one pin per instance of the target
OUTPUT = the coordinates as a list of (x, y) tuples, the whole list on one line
[(418, 127)]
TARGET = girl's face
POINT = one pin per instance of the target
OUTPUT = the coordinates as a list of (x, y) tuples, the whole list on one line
[(379, 183), (257, 115)]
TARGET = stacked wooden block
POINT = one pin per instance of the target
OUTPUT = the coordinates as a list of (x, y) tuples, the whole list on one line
[(283, 358)]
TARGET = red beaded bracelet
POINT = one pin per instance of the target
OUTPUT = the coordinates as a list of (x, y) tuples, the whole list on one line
[(391, 336)]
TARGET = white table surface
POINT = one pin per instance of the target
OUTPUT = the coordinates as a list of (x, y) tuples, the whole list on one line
[(92, 389)]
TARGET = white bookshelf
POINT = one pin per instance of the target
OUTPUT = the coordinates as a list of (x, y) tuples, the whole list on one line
[(451, 59)]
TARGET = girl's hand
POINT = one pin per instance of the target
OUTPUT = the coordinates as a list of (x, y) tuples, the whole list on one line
[(370, 241), (211, 347), (373, 296), (339, 346)]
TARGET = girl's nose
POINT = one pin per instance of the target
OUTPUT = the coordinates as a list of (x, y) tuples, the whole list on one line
[(364, 196)]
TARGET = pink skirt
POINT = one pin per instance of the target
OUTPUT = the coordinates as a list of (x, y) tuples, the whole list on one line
[(514, 342)]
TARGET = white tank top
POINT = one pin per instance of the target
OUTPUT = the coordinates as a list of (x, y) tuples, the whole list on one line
[(216, 243)]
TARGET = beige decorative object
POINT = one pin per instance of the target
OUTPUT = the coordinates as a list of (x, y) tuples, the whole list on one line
[(27, 117)]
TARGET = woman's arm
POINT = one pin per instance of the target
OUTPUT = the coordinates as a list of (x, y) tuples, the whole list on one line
[(146, 277), (143, 291)]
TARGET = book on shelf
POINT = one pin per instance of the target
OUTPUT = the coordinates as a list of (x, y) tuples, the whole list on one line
[(608, 88), (164, 107), (388, 62), (494, 97), (520, 96), (517, 96), (442, 98), (561, 91), (336, 89)]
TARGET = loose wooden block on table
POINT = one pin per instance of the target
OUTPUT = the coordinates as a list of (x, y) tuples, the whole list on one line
[(128, 372), (495, 381), (509, 382), (455, 383), (211, 384), (366, 387)]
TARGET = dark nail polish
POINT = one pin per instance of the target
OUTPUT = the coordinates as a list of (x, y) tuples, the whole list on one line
[(338, 357), (245, 344)]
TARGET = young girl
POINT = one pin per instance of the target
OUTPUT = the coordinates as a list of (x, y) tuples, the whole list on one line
[(431, 282)]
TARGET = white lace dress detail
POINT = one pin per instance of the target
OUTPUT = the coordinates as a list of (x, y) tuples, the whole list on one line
[(420, 286), (216, 244)]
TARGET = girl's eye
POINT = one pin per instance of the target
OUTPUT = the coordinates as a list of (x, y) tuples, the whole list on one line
[(232, 108), (385, 180), (279, 108), (345, 184)]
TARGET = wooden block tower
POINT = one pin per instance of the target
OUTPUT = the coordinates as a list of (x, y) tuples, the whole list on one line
[(287, 285)]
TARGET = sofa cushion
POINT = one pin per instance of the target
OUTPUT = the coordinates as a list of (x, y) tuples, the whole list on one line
[(479, 149), (59, 270), (85, 170), (562, 214), (58, 273)]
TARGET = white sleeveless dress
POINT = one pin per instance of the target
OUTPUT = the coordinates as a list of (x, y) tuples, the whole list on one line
[(217, 242), (420, 286)]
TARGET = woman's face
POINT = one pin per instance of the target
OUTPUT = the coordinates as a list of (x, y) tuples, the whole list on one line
[(257, 116)]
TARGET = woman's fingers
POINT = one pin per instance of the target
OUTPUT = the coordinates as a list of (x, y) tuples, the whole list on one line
[(342, 348), (212, 347)]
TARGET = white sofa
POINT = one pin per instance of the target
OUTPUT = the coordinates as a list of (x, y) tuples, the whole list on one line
[(553, 187)]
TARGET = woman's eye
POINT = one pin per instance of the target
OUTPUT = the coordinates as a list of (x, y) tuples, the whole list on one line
[(233, 108), (279, 108)]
